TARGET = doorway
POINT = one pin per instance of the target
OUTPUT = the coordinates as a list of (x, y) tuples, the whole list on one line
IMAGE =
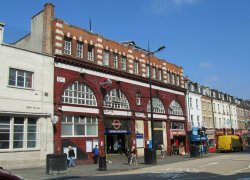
[(112, 141)]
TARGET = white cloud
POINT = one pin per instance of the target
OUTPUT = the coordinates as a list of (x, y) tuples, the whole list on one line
[(161, 7), (205, 65)]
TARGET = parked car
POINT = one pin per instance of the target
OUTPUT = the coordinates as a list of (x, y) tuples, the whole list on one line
[(230, 143), (7, 175)]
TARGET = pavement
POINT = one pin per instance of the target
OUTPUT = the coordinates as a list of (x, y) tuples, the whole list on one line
[(116, 163)]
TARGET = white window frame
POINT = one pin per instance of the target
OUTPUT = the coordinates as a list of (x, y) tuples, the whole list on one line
[(79, 49), (116, 99), (177, 80), (175, 108), (173, 78), (154, 72), (73, 121), (67, 46), (157, 106), (25, 132), (136, 67), (115, 60), (90, 53), (16, 74), (160, 74), (106, 58), (124, 63), (168, 76), (79, 93)]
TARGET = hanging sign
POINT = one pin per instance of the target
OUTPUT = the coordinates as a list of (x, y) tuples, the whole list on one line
[(105, 83)]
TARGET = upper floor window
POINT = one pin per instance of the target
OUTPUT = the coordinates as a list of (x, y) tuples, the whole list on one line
[(67, 46), (190, 102), (175, 108), (147, 70), (197, 103), (20, 78), (116, 99), (79, 93), (177, 80), (136, 67), (177, 125), (105, 57), (173, 78), (124, 63), (154, 73), (90, 52), (138, 98), (160, 74), (157, 106), (192, 119), (198, 121), (79, 49), (168, 76), (115, 60)]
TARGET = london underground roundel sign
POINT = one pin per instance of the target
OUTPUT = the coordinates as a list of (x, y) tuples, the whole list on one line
[(105, 82), (116, 124)]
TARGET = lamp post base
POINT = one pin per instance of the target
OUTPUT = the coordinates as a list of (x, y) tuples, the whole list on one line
[(150, 156)]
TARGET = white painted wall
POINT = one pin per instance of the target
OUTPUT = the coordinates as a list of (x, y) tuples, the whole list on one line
[(28, 102), (193, 109)]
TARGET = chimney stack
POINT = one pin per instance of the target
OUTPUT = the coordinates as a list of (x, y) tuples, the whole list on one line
[(1, 32)]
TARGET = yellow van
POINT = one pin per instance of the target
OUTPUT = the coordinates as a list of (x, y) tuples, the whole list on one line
[(230, 143)]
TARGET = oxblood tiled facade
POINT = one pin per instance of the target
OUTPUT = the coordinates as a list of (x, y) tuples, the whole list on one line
[(88, 70)]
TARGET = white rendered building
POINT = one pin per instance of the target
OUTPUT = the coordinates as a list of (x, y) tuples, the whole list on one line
[(26, 96)]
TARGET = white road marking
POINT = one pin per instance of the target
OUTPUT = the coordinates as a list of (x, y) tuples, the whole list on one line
[(209, 164)]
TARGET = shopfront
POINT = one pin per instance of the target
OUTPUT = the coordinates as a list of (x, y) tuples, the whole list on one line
[(211, 140), (178, 138)]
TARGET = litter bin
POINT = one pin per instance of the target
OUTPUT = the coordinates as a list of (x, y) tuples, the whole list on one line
[(194, 151), (56, 163), (102, 163), (149, 156)]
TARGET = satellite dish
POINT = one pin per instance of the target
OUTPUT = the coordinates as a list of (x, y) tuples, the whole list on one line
[(54, 120)]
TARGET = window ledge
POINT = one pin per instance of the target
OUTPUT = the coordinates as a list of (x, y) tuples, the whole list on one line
[(17, 87)]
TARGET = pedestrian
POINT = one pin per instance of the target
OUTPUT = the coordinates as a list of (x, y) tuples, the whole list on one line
[(71, 154), (95, 154)]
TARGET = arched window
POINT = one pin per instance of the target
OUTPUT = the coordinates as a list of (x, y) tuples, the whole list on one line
[(157, 106), (116, 99), (79, 93), (175, 108)]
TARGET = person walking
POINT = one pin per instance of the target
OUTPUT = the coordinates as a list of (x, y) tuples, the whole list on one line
[(96, 154), (132, 157), (71, 154)]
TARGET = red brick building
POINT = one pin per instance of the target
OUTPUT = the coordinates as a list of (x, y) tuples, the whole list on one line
[(101, 92)]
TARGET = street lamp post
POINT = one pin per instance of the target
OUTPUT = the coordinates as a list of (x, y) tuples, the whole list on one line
[(149, 53)]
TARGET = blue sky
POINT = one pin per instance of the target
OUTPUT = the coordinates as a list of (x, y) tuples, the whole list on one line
[(210, 39)]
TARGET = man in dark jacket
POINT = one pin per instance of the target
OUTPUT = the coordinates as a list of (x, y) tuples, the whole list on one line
[(71, 155)]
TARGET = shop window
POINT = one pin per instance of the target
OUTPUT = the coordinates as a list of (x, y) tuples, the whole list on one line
[(18, 133), (79, 93), (157, 106), (75, 126)]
